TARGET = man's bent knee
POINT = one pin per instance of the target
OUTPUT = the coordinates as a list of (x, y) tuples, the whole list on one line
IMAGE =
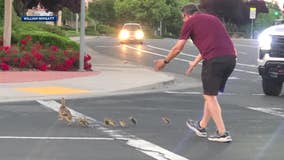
[(209, 97)]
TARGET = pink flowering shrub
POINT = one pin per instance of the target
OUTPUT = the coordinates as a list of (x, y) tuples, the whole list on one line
[(29, 55)]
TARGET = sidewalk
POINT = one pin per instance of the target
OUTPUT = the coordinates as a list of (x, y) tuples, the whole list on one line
[(109, 76)]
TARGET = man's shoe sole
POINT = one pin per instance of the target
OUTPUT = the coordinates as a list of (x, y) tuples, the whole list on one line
[(222, 140), (197, 132)]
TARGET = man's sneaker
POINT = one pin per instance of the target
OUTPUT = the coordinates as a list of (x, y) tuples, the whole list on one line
[(195, 127), (224, 138)]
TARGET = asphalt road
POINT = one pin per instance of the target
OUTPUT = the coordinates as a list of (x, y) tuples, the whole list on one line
[(29, 130)]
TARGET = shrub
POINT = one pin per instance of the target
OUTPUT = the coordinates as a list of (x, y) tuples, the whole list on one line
[(47, 38), (105, 29), (29, 55), (20, 26)]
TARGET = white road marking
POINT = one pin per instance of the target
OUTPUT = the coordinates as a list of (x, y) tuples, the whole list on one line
[(247, 65), (163, 49), (107, 46), (258, 94), (57, 138), (190, 55), (198, 93), (233, 78), (184, 60), (272, 111), (176, 92), (139, 144), (243, 53), (156, 54), (246, 45), (250, 72)]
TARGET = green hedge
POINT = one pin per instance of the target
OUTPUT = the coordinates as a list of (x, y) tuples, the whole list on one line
[(47, 38), (37, 26)]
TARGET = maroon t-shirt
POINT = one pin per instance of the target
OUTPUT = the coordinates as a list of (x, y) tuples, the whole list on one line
[(208, 34)]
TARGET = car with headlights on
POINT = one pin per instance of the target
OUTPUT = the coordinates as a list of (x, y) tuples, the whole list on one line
[(131, 32), (271, 59)]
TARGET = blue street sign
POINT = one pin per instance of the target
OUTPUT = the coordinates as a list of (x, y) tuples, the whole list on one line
[(39, 18)]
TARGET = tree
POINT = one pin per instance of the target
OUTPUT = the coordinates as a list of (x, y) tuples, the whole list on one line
[(1, 9), (102, 11), (265, 20), (235, 11), (150, 12), (21, 6), (173, 22), (56, 5)]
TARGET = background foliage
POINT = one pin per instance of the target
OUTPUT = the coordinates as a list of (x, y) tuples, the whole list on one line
[(107, 16)]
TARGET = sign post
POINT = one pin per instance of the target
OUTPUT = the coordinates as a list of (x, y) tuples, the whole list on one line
[(7, 23), (82, 36), (252, 16)]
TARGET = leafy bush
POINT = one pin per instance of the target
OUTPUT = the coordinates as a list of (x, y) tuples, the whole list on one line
[(30, 55), (91, 30), (47, 38), (105, 29), (19, 26)]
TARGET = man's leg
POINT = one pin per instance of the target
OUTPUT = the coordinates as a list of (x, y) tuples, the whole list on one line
[(206, 116), (215, 112)]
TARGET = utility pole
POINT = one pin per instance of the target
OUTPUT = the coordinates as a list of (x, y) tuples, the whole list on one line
[(161, 28), (82, 36), (252, 16), (7, 23), (77, 22)]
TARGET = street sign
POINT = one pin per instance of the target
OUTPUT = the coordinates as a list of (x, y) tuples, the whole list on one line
[(39, 18), (252, 13)]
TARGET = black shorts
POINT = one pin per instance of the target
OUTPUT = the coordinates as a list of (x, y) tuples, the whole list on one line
[(215, 73)]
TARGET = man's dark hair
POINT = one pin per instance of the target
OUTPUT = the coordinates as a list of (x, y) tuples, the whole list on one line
[(190, 9)]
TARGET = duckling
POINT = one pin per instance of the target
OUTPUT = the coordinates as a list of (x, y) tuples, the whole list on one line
[(109, 122), (83, 122), (122, 123), (166, 120), (64, 113), (132, 120)]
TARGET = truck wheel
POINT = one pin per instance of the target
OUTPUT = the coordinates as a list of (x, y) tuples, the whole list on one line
[(271, 87)]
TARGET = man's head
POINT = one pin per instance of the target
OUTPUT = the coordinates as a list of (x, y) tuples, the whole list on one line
[(188, 10)]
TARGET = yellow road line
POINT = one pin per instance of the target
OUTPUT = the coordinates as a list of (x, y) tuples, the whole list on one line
[(52, 90)]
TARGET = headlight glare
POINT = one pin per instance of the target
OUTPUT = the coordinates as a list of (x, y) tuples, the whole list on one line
[(124, 34), (264, 41), (139, 34)]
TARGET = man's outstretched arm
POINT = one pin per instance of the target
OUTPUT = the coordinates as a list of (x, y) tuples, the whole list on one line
[(176, 49)]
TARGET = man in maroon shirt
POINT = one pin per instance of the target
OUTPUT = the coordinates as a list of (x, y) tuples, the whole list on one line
[(219, 59)]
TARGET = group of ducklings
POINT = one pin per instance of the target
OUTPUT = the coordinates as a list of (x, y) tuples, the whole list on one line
[(65, 114)]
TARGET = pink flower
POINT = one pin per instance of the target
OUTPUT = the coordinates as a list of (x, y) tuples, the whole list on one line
[(68, 62), (65, 52), (54, 48), (38, 56), (27, 56), (6, 48), (88, 66), (87, 58), (5, 59), (52, 57), (42, 66), (23, 42), (4, 66), (28, 37), (22, 62), (15, 60)]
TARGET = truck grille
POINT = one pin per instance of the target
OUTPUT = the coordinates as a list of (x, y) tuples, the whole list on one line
[(277, 46)]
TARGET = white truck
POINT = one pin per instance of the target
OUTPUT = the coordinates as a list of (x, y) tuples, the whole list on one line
[(271, 59)]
